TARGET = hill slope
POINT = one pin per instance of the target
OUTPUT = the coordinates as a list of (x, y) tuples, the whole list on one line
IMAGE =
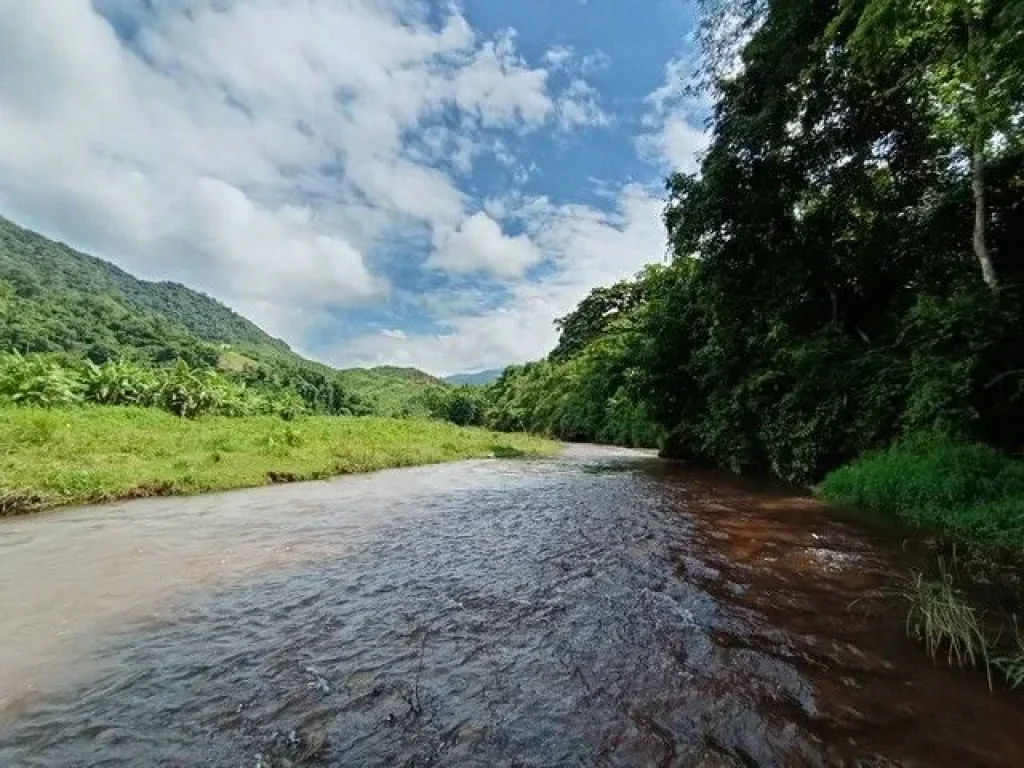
[(479, 378), (68, 301), (54, 299), (393, 391)]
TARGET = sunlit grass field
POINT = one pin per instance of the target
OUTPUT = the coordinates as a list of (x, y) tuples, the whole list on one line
[(51, 458)]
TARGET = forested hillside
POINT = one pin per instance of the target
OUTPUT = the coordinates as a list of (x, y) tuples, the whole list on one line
[(391, 391), (478, 378), (64, 300), (846, 264), (73, 307)]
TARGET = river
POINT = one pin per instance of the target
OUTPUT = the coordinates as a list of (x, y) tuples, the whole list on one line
[(597, 609)]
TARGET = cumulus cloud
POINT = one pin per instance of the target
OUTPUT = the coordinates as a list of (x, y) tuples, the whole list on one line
[(676, 135), (559, 56), (497, 87), (578, 106), (272, 152), (584, 246), (479, 245), (259, 150)]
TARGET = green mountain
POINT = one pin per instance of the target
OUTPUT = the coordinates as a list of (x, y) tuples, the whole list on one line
[(56, 300), (391, 391), (59, 300)]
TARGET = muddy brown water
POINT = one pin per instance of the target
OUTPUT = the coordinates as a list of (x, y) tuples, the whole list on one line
[(598, 609)]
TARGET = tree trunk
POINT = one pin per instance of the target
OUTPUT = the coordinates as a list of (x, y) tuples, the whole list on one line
[(975, 67), (988, 272)]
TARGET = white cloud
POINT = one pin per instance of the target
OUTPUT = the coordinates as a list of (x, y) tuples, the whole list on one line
[(676, 135), (677, 143), (564, 57), (479, 245), (578, 106), (586, 247), (498, 88), (258, 150), (271, 152), (559, 56)]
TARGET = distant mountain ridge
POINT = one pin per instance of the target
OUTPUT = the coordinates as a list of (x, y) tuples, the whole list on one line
[(478, 378)]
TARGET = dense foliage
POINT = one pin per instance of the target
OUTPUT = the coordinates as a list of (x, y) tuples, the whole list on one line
[(846, 263), (589, 388), (968, 490), (57, 299), (47, 382)]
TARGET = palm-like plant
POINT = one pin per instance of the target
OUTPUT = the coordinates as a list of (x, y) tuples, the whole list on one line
[(119, 383), (38, 381), (187, 392)]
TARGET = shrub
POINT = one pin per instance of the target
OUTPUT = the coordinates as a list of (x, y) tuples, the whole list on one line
[(119, 383), (38, 381), (931, 480)]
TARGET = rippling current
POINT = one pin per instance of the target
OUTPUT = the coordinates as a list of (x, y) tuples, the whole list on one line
[(602, 608)]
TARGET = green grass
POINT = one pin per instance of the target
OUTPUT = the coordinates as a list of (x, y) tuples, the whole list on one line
[(392, 391), (51, 458), (968, 492), (944, 621)]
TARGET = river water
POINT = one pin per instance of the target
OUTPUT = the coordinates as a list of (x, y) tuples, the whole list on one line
[(598, 609)]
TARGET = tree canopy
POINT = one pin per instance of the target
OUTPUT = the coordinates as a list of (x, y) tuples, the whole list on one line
[(827, 292)]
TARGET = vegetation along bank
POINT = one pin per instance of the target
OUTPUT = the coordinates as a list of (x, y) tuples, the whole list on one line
[(843, 303), (113, 387)]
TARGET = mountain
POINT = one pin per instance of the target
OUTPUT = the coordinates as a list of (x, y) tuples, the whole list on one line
[(54, 299), (60, 300), (478, 378)]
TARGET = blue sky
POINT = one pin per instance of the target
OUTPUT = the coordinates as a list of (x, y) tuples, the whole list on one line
[(375, 181)]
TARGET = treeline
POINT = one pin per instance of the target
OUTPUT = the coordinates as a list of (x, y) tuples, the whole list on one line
[(591, 386), (73, 320), (63, 380), (847, 263)]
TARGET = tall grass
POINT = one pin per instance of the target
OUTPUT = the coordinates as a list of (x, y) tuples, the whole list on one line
[(52, 457), (973, 496), (943, 620), (968, 491)]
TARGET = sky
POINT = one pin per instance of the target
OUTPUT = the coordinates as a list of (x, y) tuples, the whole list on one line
[(376, 182)]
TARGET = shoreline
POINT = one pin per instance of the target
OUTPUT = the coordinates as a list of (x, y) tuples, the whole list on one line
[(51, 459)]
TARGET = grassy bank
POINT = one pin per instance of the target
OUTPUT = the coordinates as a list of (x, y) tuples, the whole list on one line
[(51, 458), (968, 492), (964, 607)]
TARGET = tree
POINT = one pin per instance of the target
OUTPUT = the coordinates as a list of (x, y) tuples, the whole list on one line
[(593, 315), (970, 69)]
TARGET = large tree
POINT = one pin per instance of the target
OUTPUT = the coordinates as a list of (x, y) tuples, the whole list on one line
[(967, 60)]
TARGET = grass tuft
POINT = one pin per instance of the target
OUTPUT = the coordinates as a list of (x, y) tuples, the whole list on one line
[(940, 617), (1012, 666)]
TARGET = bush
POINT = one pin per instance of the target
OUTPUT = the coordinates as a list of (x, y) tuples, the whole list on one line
[(38, 381), (47, 382), (930, 480), (119, 383)]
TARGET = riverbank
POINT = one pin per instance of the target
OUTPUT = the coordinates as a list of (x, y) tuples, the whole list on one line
[(52, 458), (967, 502), (970, 493)]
